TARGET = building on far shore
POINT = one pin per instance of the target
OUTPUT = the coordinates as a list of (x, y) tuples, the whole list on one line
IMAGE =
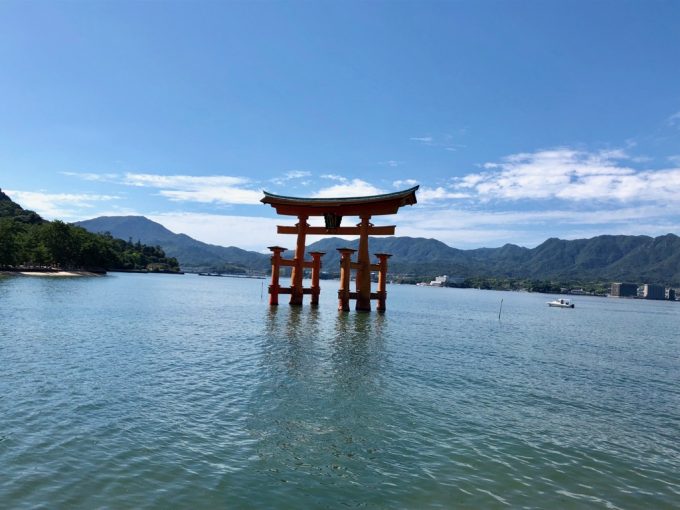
[(671, 294), (650, 291), (624, 290), (443, 281)]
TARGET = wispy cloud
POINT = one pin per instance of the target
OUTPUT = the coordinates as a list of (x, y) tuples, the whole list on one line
[(447, 141), (87, 176), (291, 175), (391, 163), (572, 175), (185, 182), (297, 174), (220, 189), (334, 177), (224, 195), (674, 120), (426, 140), (58, 205)]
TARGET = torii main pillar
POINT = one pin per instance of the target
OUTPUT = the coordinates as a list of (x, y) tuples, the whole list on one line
[(333, 210), (363, 276)]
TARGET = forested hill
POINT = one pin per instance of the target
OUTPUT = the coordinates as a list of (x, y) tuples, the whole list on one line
[(192, 254), (602, 258), (26, 239)]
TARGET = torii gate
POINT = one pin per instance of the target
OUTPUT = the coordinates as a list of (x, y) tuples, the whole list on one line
[(333, 210)]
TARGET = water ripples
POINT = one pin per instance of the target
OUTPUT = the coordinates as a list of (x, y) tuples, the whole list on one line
[(136, 391)]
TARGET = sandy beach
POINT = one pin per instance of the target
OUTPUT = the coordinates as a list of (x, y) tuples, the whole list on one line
[(48, 273)]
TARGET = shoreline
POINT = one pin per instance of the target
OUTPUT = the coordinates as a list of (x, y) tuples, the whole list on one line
[(59, 274)]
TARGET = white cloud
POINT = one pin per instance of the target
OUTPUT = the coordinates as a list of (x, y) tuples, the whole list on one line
[(225, 195), (182, 182), (572, 175), (405, 183), (87, 176), (426, 195), (349, 188), (297, 174), (674, 120), (471, 180), (222, 189), (63, 206)]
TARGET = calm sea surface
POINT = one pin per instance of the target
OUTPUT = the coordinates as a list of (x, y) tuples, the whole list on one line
[(157, 391)]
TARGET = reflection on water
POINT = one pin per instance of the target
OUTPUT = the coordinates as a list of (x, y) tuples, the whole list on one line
[(314, 417)]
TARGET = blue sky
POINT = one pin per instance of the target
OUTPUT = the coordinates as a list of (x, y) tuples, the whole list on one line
[(519, 120)]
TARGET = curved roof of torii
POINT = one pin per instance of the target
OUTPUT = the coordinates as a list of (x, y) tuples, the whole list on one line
[(388, 203)]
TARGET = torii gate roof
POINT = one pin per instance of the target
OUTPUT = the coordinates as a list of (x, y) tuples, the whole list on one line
[(388, 203)]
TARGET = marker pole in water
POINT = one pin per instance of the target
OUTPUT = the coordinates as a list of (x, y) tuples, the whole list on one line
[(500, 310)]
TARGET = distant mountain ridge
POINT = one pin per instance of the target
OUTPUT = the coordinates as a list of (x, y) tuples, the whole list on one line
[(604, 258), (192, 254), (621, 258)]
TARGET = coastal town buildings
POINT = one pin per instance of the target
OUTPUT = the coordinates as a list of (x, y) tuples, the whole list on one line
[(624, 290), (645, 291), (650, 291)]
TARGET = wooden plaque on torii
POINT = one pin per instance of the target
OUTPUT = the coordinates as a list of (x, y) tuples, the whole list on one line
[(333, 210)]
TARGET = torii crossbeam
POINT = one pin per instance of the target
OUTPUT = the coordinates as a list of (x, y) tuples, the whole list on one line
[(333, 210)]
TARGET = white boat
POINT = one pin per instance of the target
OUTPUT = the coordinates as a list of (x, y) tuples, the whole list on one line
[(561, 303)]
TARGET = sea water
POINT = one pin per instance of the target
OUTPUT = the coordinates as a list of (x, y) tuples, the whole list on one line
[(158, 391)]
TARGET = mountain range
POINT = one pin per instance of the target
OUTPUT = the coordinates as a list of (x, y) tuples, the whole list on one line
[(602, 258)]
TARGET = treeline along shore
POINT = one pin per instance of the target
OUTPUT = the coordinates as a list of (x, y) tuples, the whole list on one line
[(31, 244)]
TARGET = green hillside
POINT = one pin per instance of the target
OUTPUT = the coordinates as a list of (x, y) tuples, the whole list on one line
[(192, 255), (26, 239)]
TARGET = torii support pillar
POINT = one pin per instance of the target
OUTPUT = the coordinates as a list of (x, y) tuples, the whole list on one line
[(345, 270), (382, 281), (274, 287), (316, 270), (363, 276)]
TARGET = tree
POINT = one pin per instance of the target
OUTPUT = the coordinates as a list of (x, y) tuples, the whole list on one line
[(9, 243)]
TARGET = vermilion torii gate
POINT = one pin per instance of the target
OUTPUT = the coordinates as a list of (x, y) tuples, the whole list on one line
[(333, 210)]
